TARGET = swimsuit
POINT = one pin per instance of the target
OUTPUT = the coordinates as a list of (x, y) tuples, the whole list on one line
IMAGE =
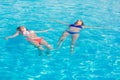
[(25, 33), (71, 32), (73, 25), (37, 40)]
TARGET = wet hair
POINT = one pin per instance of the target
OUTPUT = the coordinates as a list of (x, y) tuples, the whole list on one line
[(19, 28), (81, 21)]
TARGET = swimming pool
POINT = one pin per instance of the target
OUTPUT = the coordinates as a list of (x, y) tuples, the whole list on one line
[(97, 53)]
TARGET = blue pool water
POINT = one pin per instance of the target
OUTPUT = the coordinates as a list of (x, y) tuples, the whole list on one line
[(97, 53)]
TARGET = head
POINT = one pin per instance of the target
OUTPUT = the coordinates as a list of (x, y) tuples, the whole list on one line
[(21, 28), (79, 22)]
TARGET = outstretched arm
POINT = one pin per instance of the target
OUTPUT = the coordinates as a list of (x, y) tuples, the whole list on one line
[(85, 26), (44, 30), (61, 22), (12, 36), (95, 27)]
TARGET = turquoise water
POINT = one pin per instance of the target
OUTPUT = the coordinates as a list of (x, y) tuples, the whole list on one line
[(97, 53)]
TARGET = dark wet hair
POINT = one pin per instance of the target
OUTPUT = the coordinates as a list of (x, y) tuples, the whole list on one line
[(19, 28), (81, 21)]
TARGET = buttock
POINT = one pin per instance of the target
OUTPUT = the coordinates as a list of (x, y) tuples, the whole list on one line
[(71, 32), (36, 40)]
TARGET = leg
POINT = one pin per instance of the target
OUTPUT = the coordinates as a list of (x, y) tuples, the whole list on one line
[(74, 38), (49, 47), (45, 43), (37, 45), (63, 37)]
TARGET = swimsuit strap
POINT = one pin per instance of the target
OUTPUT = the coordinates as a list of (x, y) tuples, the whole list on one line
[(25, 33), (73, 25)]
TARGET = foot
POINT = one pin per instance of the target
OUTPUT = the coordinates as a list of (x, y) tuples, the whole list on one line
[(72, 49), (48, 52), (41, 48), (40, 53), (50, 47)]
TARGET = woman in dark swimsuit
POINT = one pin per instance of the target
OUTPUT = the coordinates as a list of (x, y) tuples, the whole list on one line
[(73, 30)]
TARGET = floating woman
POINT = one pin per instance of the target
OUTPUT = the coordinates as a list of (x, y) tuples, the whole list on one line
[(72, 30), (32, 37)]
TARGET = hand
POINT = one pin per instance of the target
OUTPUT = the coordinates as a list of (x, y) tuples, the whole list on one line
[(6, 38), (51, 29)]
